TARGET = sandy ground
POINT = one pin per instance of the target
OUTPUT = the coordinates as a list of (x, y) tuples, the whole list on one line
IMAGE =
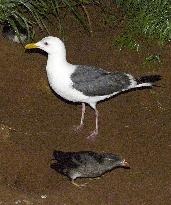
[(34, 123)]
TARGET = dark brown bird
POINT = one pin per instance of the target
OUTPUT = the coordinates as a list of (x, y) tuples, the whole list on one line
[(85, 164)]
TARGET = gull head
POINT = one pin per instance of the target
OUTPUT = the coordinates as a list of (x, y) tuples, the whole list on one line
[(50, 44)]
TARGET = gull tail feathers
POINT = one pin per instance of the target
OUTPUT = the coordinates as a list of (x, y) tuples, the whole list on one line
[(147, 81)]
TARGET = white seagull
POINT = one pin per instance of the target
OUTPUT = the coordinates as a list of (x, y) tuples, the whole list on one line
[(83, 83)]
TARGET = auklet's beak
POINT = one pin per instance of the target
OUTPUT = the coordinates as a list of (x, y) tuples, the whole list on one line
[(31, 45), (125, 164)]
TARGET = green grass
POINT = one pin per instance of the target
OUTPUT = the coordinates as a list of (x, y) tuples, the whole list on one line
[(148, 18), (144, 18), (30, 13), (152, 59), (126, 41), (23, 13)]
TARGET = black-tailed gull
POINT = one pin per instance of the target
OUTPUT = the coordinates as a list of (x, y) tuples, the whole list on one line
[(82, 83)]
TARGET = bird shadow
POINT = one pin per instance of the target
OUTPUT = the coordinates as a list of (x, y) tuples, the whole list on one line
[(36, 50)]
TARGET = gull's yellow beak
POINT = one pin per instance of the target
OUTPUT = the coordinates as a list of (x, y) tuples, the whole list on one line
[(31, 45)]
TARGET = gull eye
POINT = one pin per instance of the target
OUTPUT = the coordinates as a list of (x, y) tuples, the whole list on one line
[(45, 43)]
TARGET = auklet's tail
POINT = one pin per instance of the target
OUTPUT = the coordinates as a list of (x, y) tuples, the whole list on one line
[(146, 81)]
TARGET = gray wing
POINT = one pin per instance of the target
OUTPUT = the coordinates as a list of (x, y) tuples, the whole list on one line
[(92, 81)]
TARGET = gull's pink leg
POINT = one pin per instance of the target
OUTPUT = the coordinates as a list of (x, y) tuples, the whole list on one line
[(95, 132), (79, 127)]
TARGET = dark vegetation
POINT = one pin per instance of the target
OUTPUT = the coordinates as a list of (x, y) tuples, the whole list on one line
[(141, 19)]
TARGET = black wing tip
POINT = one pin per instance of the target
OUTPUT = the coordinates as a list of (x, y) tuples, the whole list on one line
[(149, 79)]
